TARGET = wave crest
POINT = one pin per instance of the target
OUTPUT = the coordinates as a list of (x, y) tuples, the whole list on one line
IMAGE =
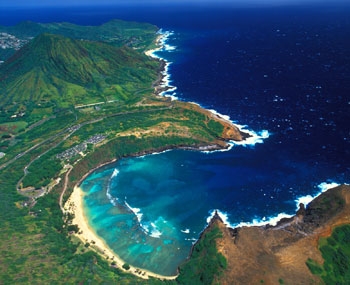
[(113, 200), (273, 220)]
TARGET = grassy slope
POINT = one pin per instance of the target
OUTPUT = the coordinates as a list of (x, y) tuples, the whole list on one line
[(336, 253), (116, 32), (53, 68), (152, 128), (35, 246), (206, 263), (39, 231), (62, 71)]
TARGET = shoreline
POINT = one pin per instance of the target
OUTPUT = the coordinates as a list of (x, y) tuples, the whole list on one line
[(274, 220), (86, 234), (162, 84), (74, 203)]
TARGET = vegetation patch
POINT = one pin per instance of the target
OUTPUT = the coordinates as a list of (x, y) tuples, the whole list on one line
[(206, 263), (75, 103), (336, 254), (8, 128)]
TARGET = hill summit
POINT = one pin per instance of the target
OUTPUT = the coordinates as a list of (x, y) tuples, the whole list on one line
[(54, 68)]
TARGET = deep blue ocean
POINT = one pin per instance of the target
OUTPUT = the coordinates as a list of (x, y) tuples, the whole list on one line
[(282, 70)]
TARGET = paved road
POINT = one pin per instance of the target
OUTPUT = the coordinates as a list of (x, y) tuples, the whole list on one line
[(69, 132)]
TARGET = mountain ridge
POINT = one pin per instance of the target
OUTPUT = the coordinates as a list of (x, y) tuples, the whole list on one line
[(52, 67)]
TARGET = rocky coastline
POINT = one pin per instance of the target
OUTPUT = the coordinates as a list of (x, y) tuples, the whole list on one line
[(271, 253), (268, 253), (230, 133)]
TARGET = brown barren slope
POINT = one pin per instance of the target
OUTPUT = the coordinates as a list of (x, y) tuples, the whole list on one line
[(276, 254)]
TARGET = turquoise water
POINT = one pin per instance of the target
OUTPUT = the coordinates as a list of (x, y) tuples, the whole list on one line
[(151, 209), (146, 237), (283, 71)]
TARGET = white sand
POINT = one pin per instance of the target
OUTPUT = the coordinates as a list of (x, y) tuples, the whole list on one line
[(159, 47), (86, 234)]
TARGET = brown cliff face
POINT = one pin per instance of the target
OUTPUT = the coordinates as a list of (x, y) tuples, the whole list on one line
[(230, 131), (276, 254)]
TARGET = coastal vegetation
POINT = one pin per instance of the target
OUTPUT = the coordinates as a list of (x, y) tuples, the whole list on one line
[(68, 105), (75, 98), (36, 246), (206, 263), (335, 251)]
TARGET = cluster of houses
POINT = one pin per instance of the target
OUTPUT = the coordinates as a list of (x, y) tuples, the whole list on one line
[(9, 41), (80, 148)]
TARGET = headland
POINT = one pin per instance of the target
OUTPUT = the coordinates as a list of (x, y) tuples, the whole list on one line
[(267, 254)]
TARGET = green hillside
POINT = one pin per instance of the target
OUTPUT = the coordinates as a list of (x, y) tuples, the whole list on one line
[(64, 71), (50, 136), (116, 32)]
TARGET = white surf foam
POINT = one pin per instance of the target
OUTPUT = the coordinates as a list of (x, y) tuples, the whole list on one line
[(115, 173), (254, 138), (222, 215), (136, 211), (193, 240), (227, 118), (273, 220), (323, 187), (164, 46), (248, 142), (166, 83), (149, 228), (155, 227), (155, 233), (169, 92), (113, 200), (265, 221), (169, 48), (255, 222)]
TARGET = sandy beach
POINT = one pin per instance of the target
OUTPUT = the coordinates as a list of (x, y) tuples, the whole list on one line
[(159, 43), (87, 235)]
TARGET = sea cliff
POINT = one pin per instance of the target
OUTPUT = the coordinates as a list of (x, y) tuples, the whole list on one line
[(272, 254)]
